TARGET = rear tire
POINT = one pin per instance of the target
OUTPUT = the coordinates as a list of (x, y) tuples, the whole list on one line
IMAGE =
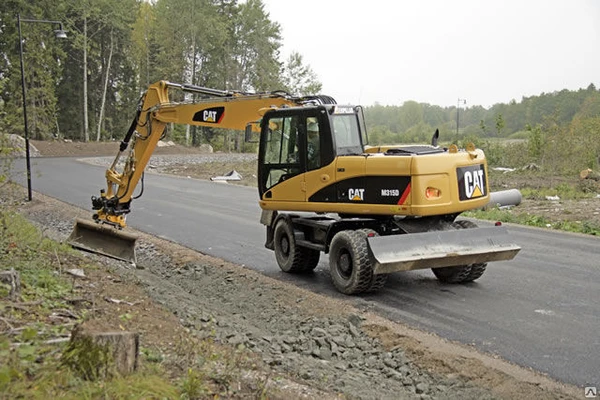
[(291, 257), (457, 274), (462, 273), (478, 269), (349, 262)]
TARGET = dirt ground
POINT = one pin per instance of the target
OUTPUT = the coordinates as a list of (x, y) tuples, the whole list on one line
[(176, 292)]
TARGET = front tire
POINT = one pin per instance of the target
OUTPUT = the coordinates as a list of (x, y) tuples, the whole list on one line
[(378, 281), (291, 257), (349, 262)]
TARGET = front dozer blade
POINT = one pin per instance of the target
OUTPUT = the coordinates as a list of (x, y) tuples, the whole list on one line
[(103, 239), (441, 249)]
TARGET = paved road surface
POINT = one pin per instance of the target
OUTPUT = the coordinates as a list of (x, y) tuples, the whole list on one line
[(541, 310)]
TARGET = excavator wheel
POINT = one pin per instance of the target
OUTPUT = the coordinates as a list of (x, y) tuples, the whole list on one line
[(291, 257), (478, 269), (350, 265), (378, 281), (457, 274), (461, 273)]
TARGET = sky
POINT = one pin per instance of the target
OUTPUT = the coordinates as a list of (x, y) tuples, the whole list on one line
[(437, 51)]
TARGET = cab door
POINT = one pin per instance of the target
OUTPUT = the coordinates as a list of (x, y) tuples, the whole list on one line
[(280, 160)]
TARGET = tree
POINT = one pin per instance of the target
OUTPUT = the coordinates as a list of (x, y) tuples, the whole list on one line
[(535, 143), (499, 124), (410, 114), (298, 78), (483, 127), (142, 43), (255, 49)]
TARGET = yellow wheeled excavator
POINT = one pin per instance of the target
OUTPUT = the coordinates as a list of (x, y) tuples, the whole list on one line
[(373, 209)]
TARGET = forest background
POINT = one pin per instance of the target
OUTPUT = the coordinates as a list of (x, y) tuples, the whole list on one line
[(86, 87)]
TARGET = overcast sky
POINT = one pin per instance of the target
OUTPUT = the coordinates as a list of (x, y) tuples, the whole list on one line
[(437, 51)]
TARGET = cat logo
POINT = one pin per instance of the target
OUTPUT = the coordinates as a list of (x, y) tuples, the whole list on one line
[(474, 184), (209, 116), (213, 115), (356, 194), (471, 182)]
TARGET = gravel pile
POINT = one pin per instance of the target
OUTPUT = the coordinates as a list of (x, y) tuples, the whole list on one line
[(159, 162), (329, 352)]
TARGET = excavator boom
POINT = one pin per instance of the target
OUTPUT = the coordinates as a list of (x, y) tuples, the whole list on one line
[(214, 108)]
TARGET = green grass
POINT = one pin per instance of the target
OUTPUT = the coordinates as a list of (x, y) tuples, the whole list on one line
[(563, 190), (29, 367), (534, 220)]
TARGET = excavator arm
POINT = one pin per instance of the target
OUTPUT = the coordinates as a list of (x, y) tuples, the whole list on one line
[(215, 108), (224, 110)]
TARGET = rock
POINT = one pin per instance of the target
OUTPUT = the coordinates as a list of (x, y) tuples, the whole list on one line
[(353, 330), (355, 320), (326, 353), (76, 272), (422, 388), (13, 280), (390, 363), (318, 332)]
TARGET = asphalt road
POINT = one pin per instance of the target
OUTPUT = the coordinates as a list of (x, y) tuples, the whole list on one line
[(540, 310)]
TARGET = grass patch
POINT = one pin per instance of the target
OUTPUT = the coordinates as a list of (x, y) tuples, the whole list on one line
[(33, 340), (562, 190), (509, 216)]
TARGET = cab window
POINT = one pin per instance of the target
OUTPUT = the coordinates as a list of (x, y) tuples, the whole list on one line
[(313, 143), (347, 138), (281, 151)]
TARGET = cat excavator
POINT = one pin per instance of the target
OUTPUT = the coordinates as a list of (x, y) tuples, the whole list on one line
[(322, 189)]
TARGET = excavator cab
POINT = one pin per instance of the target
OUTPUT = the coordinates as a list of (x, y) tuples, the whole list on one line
[(306, 140)]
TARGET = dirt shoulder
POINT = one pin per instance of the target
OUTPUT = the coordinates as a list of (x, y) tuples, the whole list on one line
[(307, 345)]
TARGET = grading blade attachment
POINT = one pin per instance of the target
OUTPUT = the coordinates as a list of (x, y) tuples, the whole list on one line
[(103, 239), (440, 249)]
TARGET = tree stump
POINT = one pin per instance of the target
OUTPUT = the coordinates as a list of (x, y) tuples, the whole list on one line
[(102, 355), (12, 278)]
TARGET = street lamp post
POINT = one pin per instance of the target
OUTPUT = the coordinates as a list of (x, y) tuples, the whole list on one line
[(460, 101), (60, 34)]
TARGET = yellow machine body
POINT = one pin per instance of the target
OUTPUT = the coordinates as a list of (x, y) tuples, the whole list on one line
[(397, 204)]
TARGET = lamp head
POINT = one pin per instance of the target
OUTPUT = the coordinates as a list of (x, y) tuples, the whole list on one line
[(60, 33)]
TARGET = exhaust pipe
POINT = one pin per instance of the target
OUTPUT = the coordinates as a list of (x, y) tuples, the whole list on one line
[(103, 239)]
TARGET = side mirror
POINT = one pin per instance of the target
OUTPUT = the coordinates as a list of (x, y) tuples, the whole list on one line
[(249, 134)]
